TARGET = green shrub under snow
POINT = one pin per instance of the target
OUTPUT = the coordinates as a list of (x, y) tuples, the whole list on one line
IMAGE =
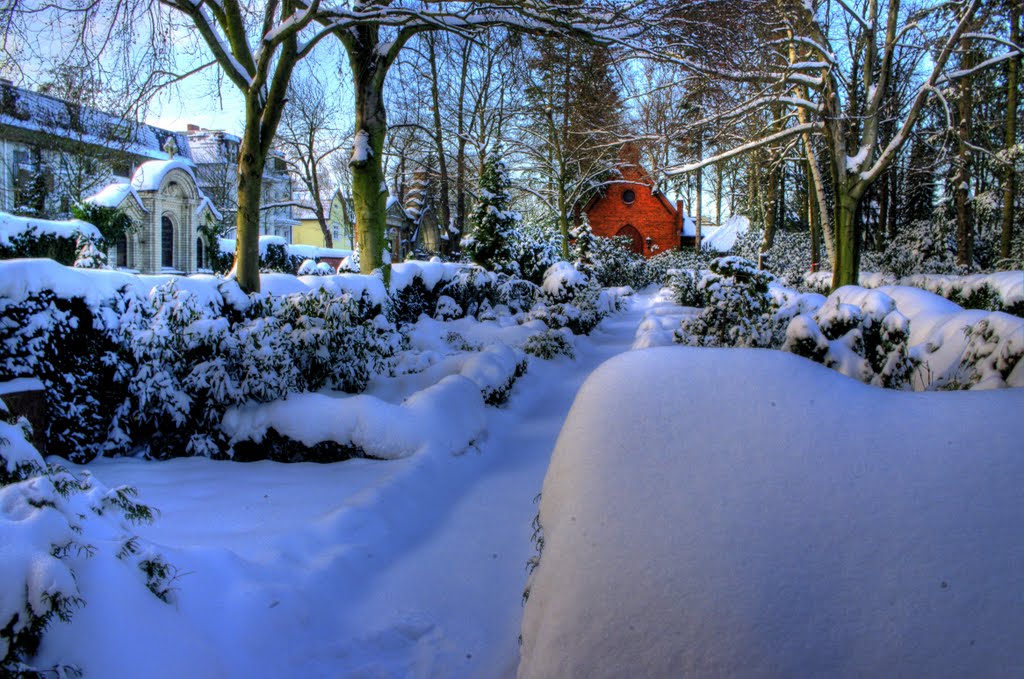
[(737, 309), (867, 339), (131, 373), (550, 344), (51, 521), (857, 332)]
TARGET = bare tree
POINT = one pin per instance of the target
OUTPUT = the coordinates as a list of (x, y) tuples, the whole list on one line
[(374, 34), (844, 107), (308, 136)]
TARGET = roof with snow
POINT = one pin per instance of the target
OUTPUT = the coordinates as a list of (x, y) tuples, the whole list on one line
[(150, 174), (113, 195), (723, 239), (34, 112)]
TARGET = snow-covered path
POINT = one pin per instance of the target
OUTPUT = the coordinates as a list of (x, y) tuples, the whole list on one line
[(406, 568)]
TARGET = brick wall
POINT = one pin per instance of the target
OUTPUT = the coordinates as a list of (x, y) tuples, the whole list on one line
[(653, 216)]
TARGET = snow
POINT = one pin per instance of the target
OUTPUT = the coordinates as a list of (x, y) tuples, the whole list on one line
[(828, 528), (149, 175), (380, 429), (560, 277), (12, 226), (361, 151), (724, 237), (411, 567), (20, 384), (113, 195), (854, 163)]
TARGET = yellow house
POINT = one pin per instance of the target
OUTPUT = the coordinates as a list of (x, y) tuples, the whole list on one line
[(307, 232)]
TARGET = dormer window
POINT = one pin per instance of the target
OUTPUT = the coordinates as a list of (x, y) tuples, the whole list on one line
[(628, 196)]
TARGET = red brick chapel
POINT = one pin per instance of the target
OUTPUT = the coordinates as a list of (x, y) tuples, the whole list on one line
[(630, 207)]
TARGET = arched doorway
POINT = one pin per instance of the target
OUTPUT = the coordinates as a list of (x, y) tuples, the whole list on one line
[(630, 232), (166, 242), (122, 251)]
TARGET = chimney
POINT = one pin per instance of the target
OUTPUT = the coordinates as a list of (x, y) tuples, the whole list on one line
[(194, 128)]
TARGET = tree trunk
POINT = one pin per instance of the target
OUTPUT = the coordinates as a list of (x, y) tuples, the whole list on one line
[(369, 190), (845, 268), (770, 210), (812, 222), (251, 159), (720, 175), (700, 192), (444, 210), (962, 177), (1009, 178)]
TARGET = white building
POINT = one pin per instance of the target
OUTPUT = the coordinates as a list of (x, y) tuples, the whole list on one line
[(215, 154)]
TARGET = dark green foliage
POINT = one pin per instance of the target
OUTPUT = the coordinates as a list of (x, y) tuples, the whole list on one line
[(492, 223), (33, 244), (495, 396), (111, 222), (548, 345), (414, 299), (738, 310), (61, 342)]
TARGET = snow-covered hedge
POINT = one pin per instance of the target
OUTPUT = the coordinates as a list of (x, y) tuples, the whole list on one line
[(892, 336), (31, 237), (999, 291), (737, 307), (51, 523), (858, 332), (152, 363)]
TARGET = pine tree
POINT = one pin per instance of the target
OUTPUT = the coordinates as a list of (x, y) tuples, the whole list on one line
[(89, 255), (492, 223)]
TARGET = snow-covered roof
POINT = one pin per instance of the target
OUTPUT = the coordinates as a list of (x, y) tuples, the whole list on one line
[(13, 225), (36, 112), (690, 226), (723, 239), (205, 202), (148, 176), (113, 195)]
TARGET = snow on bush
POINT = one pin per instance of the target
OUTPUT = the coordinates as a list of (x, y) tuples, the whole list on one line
[(998, 291), (738, 310), (51, 522), (32, 237), (864, 337), (492, 222), (764, 530), (150, 364), (562, 282), (374, 428), (192, 362), (89, 256), (550, 344)]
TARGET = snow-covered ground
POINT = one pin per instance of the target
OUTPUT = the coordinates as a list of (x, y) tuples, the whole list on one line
[(415, 566), (404, 568)]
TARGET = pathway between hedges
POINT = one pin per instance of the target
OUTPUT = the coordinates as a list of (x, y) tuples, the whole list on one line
[(409, 568)]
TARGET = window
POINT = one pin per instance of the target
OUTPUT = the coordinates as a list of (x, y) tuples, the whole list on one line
[(628, 196), (199, 254), (166, 242)]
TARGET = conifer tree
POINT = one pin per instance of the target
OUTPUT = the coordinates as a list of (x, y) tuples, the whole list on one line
[(492, 223)]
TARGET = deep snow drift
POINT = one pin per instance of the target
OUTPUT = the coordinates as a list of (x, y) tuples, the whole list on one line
[(750, 513)]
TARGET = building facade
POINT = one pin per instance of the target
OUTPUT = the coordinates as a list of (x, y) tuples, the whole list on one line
[(55, 153), (178, 188), (631, 206), (215, 154)]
